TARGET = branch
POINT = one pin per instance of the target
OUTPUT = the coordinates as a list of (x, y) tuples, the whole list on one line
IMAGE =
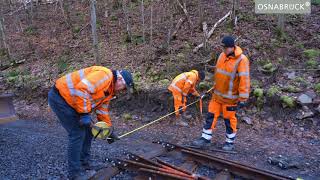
[(212, 30), (184, 9), (178, 25)]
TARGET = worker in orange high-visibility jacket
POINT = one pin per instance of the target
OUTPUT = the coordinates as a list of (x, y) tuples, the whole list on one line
[(181, 86), (76, 95), (231, 91)]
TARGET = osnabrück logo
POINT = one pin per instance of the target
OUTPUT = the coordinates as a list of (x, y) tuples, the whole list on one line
[(283, 6)]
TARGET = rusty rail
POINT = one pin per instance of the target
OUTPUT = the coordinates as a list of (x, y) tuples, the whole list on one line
[(221, 163), (150, 169)]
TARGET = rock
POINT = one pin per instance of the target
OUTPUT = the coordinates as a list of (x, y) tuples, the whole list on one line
[(318, 109), (270, 119), (305, 113), (291, 75), (304, 99), (247, 120), (311, 94)]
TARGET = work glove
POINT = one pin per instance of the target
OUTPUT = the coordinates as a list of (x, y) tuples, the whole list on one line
[(202, 95), (112, 138), (85, 120), (242, 104)]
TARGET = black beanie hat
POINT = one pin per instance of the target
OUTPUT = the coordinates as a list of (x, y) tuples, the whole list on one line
[(228, 41)]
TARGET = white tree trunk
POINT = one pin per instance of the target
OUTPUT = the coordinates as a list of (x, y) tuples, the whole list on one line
[(209, 34), (94, 31)]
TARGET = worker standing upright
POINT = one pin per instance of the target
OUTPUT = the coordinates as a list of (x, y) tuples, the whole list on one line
[(76, 95), (231, 91), (181, 86)]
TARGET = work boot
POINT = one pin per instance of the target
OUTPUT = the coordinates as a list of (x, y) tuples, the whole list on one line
[(181, 122), (228, 146), (201, 142)]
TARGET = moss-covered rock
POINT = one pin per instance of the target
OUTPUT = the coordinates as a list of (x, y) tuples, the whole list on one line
[(291, 89), (273, 90), (258, 92), (127, 116), (288, 101), (311, 53), (312, 63), (268, 68)]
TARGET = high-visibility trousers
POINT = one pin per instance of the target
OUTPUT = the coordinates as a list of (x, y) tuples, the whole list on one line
[(179, 101), (228, 112)]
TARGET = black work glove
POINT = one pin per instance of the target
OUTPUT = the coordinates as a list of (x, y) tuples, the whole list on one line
[(112, 138), (242, 104)]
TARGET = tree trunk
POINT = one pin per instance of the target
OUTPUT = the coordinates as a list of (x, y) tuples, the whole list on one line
[(94, 31), (125, 11), (281, 21), (142, 16), (171, 26), (66, 13), (3, 37), (235, 7), (151, 23)]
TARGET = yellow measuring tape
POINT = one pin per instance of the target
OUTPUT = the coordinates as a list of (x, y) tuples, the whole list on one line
[(162, 117)]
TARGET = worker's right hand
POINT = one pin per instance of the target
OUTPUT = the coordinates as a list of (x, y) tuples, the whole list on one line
[(112, 138), (85, 120)]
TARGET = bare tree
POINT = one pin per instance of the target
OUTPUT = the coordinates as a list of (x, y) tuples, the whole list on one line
[(94, 31), (64, 6), (151, 22), (280, 22), (184, 9), (125, 11), (3, 35), (170, 25), (235, 7), (142, 16)]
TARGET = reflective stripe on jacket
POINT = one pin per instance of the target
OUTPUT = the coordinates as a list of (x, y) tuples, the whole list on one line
[(185, 83), (88, 89), (232, 78)]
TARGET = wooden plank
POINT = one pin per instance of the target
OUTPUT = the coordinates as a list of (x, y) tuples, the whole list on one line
[(107, 173), (189, 165)]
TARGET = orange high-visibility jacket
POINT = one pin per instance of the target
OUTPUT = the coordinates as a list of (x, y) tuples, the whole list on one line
[(232, 78), (185, 83), (88, 90)]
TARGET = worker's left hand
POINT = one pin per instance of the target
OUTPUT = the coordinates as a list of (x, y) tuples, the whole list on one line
[(242, 104), (112, 138)]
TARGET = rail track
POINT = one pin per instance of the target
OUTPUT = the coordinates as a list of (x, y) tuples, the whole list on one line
[(150, 165)]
